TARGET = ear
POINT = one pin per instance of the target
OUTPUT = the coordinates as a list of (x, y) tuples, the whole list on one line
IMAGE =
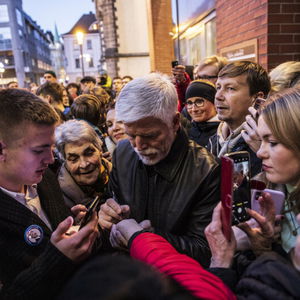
[(260, 95), (48, 99), (176, 121)]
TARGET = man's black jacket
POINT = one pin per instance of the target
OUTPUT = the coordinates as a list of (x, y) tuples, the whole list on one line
[(177, 195)]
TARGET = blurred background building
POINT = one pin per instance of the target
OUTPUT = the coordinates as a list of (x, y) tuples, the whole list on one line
[(82, 48), (24, 46)]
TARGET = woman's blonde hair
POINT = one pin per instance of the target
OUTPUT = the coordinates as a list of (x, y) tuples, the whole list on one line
[(282, 115), (285, 75)]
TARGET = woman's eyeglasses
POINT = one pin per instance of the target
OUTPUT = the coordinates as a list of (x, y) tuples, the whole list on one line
[(197, 103)]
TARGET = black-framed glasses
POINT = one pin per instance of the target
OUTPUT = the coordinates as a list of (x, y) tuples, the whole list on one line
[(206, 77), (198, 102)]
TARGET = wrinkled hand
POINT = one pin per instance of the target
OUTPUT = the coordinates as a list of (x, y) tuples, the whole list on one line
[(111, 213), (179, 73), (122, 232), (222, 251), (78, 212), (249, 133), (78, 245), (262, 235)]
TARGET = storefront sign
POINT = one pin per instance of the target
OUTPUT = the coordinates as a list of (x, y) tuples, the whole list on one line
[(242, 51)]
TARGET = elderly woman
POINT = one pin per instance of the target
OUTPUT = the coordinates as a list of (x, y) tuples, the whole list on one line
[(84, 173)]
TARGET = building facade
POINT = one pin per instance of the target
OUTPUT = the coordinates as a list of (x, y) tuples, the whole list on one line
[(24, 46), (136, 36), (83, 54)]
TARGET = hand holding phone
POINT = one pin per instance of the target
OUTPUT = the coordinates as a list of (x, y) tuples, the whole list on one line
[(226, 195), (277, 198), (92, 208)]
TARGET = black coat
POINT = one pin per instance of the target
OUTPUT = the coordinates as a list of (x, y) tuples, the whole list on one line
[(32, 272), (200, 132), (177, 195)]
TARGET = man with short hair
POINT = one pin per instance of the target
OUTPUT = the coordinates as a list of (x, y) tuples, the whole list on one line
[(158, 174), (116, 87), (238, 86), (87, 83), (50, 76), (12, 85), (37, 255), (52, 93)]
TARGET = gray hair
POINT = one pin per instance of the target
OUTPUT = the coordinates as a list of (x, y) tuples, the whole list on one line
[(75, 131), (153, 95)]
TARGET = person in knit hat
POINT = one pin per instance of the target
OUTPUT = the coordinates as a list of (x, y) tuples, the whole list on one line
[(199, 99)]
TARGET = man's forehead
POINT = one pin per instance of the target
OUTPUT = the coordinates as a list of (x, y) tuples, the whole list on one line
[(148, 123), (240, 80)]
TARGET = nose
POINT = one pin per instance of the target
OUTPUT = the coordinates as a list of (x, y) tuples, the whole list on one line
[(194, 107), (139, 143), (83, 163), (49, 157), (219, 95), (115, 126), (262, 151)]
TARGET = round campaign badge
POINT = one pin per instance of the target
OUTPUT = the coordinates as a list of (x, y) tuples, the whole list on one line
[(33, 235)]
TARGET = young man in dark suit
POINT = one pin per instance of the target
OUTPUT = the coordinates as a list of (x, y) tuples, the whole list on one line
[(37, 254)]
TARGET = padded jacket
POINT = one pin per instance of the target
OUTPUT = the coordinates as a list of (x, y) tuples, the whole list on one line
[(177, 195)]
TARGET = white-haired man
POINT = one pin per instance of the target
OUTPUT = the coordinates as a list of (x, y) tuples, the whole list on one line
[(158, 174)]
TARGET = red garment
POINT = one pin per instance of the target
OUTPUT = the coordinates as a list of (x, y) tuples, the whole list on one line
[(181, 88), (156, 251)]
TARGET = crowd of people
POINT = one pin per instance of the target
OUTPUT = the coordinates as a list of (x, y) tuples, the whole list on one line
[(149, 148)]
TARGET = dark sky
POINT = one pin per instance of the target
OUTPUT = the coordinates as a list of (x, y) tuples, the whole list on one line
[(65, 13)]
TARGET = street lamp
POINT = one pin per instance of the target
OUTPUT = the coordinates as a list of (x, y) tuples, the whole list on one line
[(2, 70), (79, 36)]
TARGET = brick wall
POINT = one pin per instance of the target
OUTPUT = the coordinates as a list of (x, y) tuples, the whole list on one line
[(161, 43), (275, 24), (283, 31), (242, 20)]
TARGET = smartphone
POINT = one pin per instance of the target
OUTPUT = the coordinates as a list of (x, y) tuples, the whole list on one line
[(277, 197), (92, 208), (241, 186), (174, 63), (226, 195)]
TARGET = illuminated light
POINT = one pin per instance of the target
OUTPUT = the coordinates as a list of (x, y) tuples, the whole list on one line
[(79, 36)]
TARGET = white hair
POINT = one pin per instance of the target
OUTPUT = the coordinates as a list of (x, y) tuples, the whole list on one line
[(153, 95), (75, 131)]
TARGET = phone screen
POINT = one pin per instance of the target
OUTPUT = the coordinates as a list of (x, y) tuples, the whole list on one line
[(241, 186)]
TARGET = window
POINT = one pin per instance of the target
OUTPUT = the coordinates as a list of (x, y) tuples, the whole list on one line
[(4, 13), (89, 44), (19, 17), (5, 38), (91, 63), (77, 63)]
